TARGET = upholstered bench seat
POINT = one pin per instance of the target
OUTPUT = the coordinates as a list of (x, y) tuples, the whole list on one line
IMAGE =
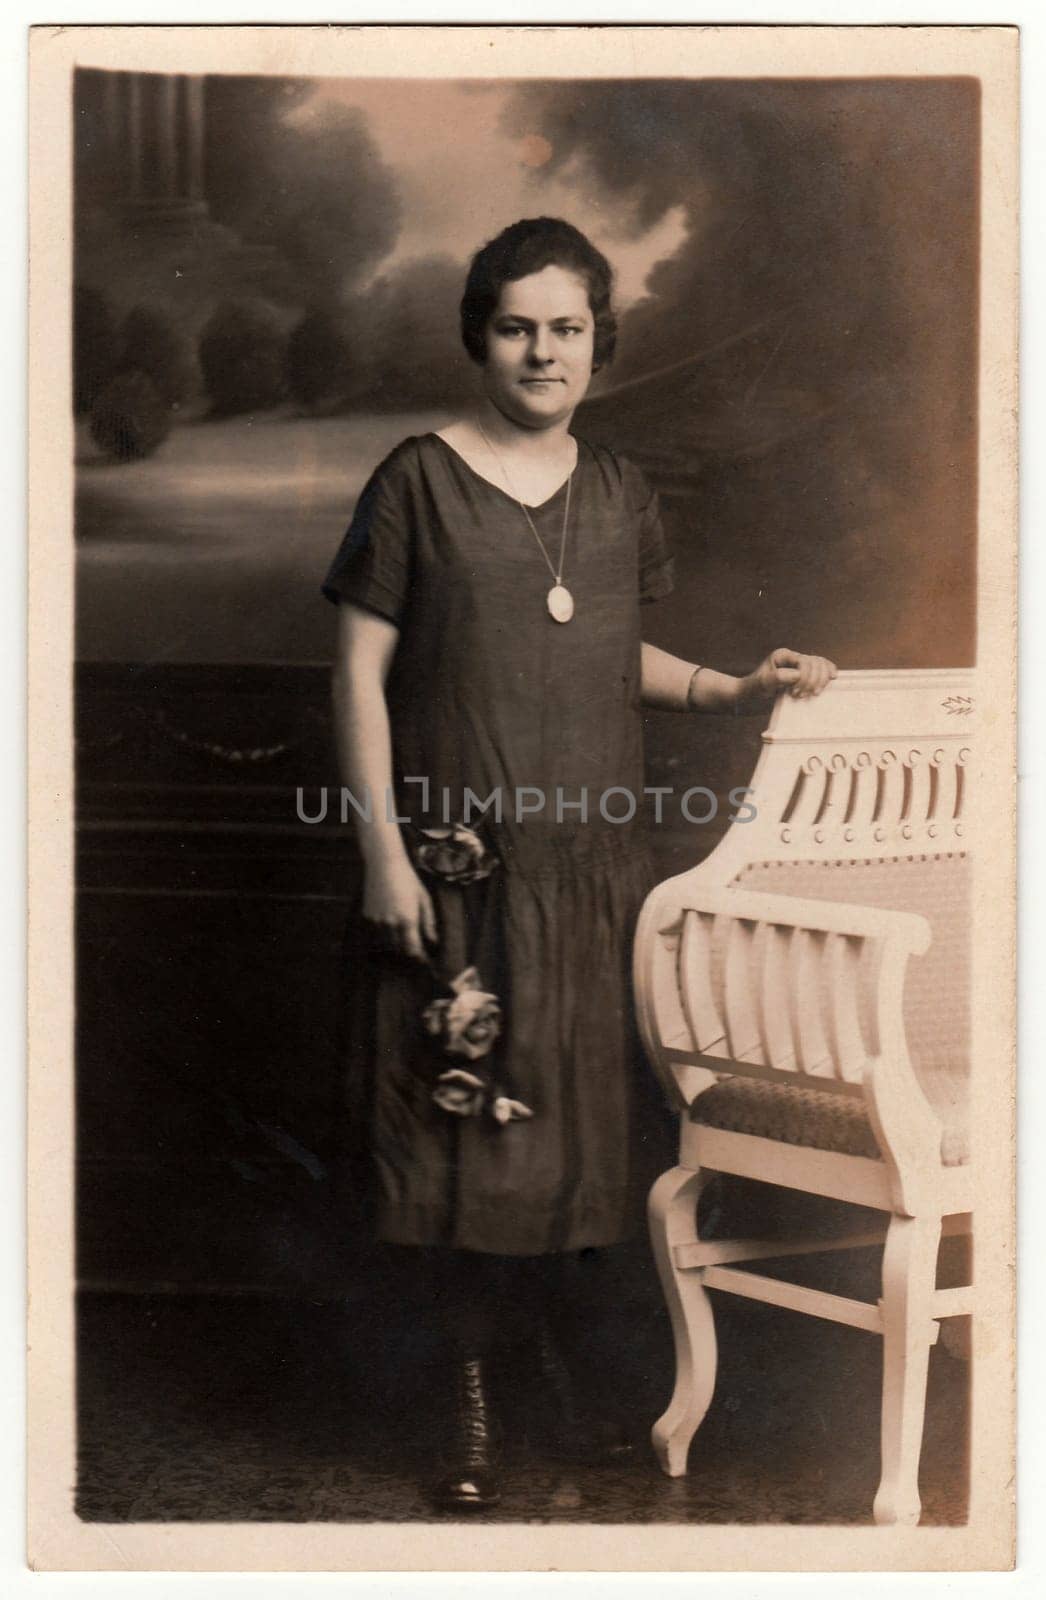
[(815, 1118)]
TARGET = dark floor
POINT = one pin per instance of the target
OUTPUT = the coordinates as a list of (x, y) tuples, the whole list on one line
[(255, 1408)]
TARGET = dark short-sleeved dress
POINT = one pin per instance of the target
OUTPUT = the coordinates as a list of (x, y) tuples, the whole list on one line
[(487, 693)]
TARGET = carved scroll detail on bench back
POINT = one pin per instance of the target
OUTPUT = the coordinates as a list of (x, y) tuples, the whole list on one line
[(877, 766), (899, 792)]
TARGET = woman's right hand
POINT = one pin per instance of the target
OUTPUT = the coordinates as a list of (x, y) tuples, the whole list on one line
[(398, 907)]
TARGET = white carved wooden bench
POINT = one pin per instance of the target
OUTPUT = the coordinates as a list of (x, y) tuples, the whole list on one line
[(803, 995)]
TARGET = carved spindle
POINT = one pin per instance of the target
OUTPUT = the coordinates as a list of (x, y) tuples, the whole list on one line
[(947, 790), (805, 953), (863, 792), (833, 798), (829, 809), (742, 1025), (961, 784), (868, 980), (672, 1025), (891, 790), (703, 1016), (775, 1022), (812, 794), (842, 957), (792, 803), (919, 788)]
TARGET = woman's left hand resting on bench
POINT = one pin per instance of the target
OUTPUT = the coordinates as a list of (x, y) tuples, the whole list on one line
[(672, 684)]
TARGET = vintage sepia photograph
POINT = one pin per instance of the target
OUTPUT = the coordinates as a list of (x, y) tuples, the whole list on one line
[(532, 742)]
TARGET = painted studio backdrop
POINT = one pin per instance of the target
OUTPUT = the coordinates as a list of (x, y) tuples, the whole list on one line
[(267, 276)]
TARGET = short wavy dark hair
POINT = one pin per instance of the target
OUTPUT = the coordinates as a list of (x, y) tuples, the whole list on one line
[(527, 247)]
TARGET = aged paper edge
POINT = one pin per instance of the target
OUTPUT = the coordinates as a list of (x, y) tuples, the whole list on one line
[(58, 1541)]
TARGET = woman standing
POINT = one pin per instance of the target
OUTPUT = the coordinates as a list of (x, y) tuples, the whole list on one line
[(490, 677)]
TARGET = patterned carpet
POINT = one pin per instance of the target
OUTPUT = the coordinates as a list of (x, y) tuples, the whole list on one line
[(251, 1408)]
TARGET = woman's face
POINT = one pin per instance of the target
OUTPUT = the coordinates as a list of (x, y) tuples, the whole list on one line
[(539, 348)]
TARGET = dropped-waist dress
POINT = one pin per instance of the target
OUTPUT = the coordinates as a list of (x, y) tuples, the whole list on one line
[(488, 694)]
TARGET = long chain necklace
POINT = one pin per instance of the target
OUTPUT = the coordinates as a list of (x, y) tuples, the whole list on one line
[(559, 599)]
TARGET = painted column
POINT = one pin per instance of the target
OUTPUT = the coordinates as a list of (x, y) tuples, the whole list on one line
[(162, 128)]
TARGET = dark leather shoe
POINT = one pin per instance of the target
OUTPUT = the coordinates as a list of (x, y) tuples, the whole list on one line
[(576, 1431), (465, 1491), (470, 1480)]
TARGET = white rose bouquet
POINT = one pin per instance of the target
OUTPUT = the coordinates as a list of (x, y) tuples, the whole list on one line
[(456, 854), (467, 1022)]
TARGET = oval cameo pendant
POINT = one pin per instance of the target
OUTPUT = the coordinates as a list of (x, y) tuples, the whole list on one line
[(560, 603)]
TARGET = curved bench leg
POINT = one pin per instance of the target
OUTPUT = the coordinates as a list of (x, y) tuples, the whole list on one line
[(909, 1277), (672, 1213)]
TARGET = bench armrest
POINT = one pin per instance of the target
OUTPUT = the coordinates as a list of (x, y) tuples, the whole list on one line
[(906, 929), (796, 990)]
